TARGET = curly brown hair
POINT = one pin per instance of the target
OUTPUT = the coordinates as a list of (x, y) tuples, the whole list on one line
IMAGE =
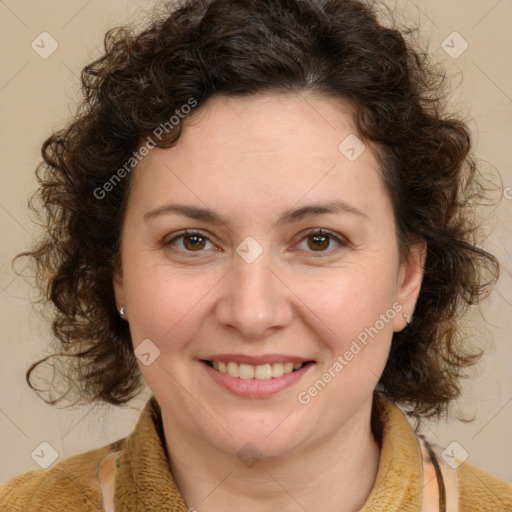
[(336, 48)]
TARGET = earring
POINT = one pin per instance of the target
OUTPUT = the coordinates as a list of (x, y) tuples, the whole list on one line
[(408, 318), (121, 312)]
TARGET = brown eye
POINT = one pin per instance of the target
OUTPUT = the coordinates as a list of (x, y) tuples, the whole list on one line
[(189, 242), (320, 241), (193, 242)]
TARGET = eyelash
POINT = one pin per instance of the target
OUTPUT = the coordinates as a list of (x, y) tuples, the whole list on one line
[(318, 232)]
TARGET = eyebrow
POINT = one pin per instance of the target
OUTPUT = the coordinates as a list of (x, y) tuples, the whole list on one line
[(288, 217)]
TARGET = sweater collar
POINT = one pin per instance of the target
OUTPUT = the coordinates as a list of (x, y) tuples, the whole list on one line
[(144, 480), (399, 481)]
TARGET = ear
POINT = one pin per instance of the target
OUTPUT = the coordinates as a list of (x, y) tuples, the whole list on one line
[(410, 277)]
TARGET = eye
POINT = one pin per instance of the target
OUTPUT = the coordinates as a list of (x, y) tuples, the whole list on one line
[(191, 241), (320, 240)]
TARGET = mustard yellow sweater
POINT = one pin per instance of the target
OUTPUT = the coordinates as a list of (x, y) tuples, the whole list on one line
[(144, 482)]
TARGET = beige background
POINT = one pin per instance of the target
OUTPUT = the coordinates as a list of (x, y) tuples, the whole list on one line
[(36, 96)]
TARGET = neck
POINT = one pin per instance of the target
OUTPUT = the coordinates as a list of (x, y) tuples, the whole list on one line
[(334, 473)]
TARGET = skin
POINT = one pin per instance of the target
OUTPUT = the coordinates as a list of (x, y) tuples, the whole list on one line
[(250, 159)]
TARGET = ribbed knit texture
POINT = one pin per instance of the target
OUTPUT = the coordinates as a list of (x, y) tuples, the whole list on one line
[(144, 482)]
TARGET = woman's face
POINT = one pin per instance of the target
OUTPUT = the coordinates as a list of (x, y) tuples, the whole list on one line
[(262, 288)]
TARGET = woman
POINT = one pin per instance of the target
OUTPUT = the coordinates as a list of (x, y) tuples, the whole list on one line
[(261, 212)]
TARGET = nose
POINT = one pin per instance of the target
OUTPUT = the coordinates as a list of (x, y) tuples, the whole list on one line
[(254, 300)]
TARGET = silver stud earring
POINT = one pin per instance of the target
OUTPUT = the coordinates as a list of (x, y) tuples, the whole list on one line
[(408, 318), (121, 312)]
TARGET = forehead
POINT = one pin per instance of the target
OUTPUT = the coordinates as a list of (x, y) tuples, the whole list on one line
[(261, 150), (279, 123)]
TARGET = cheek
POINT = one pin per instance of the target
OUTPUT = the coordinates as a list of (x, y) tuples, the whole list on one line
[(351, 314), (349, 301), (166, 307)]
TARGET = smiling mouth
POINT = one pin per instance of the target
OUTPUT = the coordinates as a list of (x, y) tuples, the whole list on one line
[(260, 372)]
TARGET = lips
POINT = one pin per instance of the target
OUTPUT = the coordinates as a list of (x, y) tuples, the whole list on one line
[(256, 376)]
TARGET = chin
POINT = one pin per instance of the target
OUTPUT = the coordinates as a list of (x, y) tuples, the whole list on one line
[(262, 438), (252, 451)]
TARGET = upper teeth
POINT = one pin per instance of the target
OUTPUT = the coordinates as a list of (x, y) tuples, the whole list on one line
[(261, 372)]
